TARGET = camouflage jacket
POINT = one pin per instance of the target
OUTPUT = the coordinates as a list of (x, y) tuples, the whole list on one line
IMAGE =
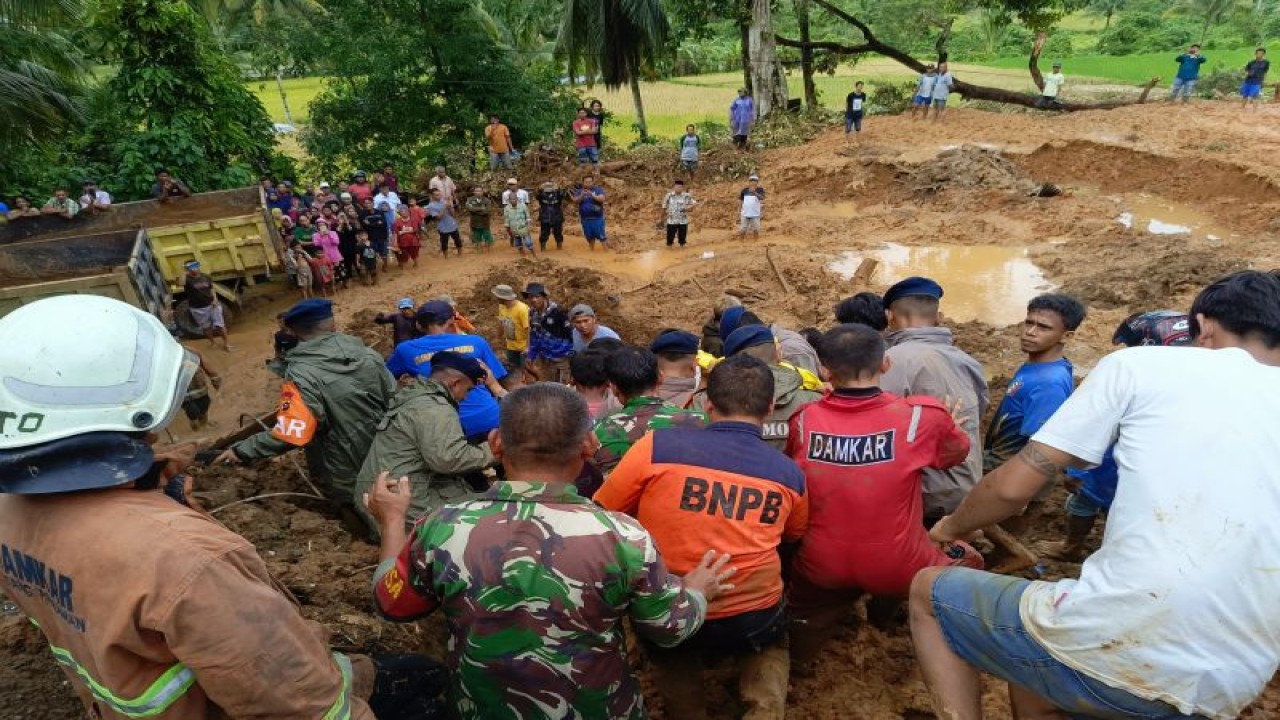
[(535, 582), (620, 429)]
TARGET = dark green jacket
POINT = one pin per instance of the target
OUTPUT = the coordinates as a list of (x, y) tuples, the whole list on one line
[(347, 387), (421, 437)]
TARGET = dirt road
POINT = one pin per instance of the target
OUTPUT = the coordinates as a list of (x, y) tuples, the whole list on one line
[(951, 200)]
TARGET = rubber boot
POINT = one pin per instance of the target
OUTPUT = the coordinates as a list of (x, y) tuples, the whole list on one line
[(762, 683), (678, 676)]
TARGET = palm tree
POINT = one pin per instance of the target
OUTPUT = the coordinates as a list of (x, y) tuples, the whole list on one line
[(41, 68), (528, 27), (616, 40), (1210, 13)]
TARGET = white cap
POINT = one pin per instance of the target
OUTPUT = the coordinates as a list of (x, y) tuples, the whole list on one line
[(324, 184), (76, 364)]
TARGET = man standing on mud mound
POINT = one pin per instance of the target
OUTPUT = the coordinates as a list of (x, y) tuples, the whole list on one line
[(421, 438), (1184, 82), (152, 609), (1175, 613), (535, 581), (438, 322), (335, 392), (1039, 387), (550, 336), (742, 115), (925, 361), (721, 487)]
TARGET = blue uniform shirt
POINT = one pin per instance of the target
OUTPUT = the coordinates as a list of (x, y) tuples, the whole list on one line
[(478, 411), (1189, 66), (1034, 395)]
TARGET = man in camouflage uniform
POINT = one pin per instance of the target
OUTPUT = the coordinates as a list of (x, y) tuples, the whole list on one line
[(535, 580), (334, 393), (421, 437), (789, 394), (633, 375)]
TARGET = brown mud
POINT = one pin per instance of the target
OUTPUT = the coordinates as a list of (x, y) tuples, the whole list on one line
[(952, 200)]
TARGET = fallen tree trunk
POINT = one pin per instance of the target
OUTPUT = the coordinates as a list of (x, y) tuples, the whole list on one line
[(873, 45)]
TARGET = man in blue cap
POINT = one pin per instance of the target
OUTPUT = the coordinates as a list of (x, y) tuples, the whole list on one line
[(437, 321), (421, 438), (403, 322), (925, 361), (789, 393), (334, 393), (203, 302), (677, 353)]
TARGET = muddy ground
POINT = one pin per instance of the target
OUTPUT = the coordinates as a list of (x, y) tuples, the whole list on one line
[(956, 200)]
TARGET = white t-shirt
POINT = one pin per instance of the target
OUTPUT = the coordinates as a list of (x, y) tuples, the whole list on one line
[(445, 185), (1052, 82), (522, 195), (1180, 603), (390, 198), (942, 86), (924, 87), (751, 207), (99, 196)]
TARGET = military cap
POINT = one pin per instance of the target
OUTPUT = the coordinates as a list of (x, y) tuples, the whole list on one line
[(309, 311), (675, 342), (745, 337), (913, 286), (730, 319), (470, 367)]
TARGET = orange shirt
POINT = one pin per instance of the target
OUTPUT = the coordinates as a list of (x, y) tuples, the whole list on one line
[(499, 138), (720, 488)]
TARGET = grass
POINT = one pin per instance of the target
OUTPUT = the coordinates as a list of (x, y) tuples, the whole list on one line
[(1134, 69)]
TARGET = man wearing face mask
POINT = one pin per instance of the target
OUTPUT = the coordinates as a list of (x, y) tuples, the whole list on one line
[(152, 609), (421, 438), (677, 353)]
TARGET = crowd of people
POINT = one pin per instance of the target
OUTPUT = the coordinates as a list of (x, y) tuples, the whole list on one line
[(733, 493)]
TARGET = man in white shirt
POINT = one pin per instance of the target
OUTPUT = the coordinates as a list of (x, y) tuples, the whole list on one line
[(513, 186), (94, 200), (1052, 86), (752, 208), (442, 182), (1175, 614), (941, 91)]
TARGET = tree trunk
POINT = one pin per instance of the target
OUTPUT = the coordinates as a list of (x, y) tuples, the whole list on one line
[(636, 100), (284, 99), (1107, 25), (767, 79), (944, 36), (806, 56), (871, 44), (744, 37), (1033, 62)]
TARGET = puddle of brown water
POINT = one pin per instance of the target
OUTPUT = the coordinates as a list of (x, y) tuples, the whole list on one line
[(989, 283), (1164, 217)]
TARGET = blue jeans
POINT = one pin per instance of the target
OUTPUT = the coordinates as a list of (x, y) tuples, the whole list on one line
[(496, 159), (852, 122), (1186, 87), (979, 617), (588, 155)]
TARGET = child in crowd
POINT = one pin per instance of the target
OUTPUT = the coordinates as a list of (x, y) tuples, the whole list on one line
[(368, 258), (586, 374), (322, 268), (303, 278), (479, 207)]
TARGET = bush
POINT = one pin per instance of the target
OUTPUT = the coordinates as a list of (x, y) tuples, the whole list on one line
[(1221, 81), (891, 98), (1146, 32)]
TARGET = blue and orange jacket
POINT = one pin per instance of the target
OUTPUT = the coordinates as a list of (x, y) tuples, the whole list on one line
[(720, 488)]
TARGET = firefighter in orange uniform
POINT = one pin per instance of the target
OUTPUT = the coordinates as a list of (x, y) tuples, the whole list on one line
[(335, 393), (153, 610)]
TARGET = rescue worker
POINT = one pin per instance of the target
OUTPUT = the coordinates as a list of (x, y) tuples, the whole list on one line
[(634, 377), (421, 438), (437, 320), (923, 360), (152, 609), (721, 487), (677, 353), (862, 451), (789, 394), (535, 580), (795, 351), (334, 393)]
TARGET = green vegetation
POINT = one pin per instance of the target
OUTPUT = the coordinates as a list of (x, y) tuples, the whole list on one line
[(1134, 69)]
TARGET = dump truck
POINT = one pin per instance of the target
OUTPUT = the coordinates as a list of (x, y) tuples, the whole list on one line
[(119, 264), (230, 232)]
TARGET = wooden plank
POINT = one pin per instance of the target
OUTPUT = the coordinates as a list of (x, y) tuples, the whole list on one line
[(786, 286)]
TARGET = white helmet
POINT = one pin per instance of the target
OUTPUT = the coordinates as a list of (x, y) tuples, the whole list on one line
[(76, 364)]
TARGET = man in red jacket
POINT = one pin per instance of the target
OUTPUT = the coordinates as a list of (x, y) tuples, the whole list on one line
[(862, 451)]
